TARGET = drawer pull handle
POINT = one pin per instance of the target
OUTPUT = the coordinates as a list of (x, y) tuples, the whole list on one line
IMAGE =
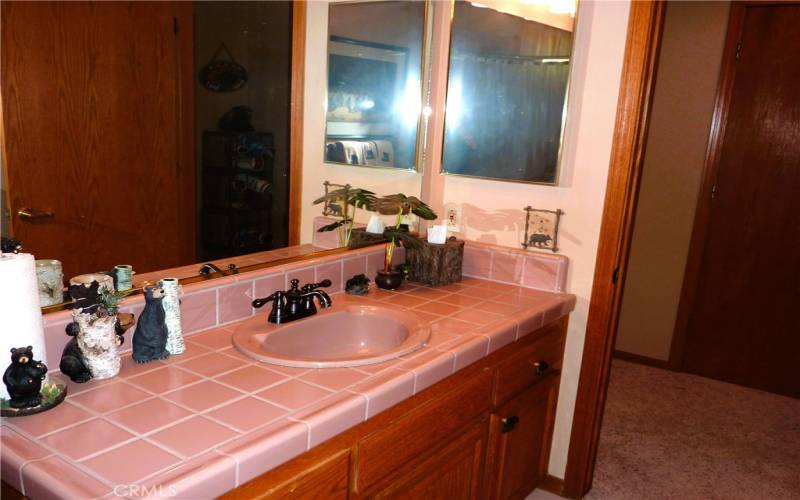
[(541, 367), (509, 423)]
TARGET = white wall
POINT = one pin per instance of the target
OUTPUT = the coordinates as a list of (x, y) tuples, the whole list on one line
[(315, 171), (492, 211), (597, 66)]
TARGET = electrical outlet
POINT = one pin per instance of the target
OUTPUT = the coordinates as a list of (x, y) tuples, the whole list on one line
[(452, 217)]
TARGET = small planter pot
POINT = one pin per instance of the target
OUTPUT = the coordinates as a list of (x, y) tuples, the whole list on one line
[(389, 280)]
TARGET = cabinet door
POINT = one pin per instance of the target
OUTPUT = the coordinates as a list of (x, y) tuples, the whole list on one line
[(453, 472), (313, 479), (520, 436)]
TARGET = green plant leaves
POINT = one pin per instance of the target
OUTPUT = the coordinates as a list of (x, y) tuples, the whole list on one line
[(399, 203)]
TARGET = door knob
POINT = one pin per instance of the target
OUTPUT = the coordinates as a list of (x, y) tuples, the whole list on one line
[(30, 214)]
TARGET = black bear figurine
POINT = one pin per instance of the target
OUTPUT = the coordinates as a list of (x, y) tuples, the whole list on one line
[(23, 378), (73, 364), (86, 298), (150, 337)]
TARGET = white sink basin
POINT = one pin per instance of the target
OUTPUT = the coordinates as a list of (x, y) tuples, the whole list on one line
[(350, 333)]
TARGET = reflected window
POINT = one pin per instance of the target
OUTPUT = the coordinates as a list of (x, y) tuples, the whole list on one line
[(374, 83), (507, 89)]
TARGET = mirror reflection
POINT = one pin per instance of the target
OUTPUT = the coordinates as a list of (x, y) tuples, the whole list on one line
[(374, 101), (507, 89), (152, 139)]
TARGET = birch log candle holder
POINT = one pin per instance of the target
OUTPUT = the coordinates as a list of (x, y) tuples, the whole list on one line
[(172, 312)]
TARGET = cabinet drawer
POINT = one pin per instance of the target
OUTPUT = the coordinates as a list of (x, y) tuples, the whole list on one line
[(417, 432), (532, 364)]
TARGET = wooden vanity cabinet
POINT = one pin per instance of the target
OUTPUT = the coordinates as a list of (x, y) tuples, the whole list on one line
[(521, 431), (483, 432)]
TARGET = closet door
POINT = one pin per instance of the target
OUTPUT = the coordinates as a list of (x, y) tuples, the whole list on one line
[(92, 120)]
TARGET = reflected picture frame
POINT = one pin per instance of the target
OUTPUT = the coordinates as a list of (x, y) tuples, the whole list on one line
[(388, 53)]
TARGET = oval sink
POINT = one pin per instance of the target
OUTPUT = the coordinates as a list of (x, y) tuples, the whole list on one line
[(346, 334)]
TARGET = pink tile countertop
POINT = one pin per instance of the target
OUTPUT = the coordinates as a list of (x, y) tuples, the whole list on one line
[(206, 421)]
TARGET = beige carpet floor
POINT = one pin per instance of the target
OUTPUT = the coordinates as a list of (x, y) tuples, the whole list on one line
[(670, 435)]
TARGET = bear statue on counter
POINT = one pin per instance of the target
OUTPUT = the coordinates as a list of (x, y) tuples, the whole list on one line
[(23, 378), (150, 337)]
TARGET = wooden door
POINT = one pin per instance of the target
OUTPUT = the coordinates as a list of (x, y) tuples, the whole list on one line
[(453, 472), (92, 129), (521, 431), (743, 326)]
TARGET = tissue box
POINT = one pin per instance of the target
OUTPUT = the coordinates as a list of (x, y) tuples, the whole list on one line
[(436, 264)]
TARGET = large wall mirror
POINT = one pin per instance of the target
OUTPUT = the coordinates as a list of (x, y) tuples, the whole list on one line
[(376, 60), (507, 89), (158, 134)]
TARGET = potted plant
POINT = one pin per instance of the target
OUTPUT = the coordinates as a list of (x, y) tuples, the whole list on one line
[(339, 202), (398, 205)]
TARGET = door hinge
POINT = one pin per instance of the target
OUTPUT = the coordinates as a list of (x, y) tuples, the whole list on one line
[(615, 276), (713, 191), (175, 25), (738, 50)]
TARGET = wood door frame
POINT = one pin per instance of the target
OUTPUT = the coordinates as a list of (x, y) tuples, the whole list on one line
[(296, 119), (645, 24)]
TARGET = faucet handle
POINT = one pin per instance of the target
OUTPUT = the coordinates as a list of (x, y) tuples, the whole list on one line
[(313, 286), (276, 297), (278, 305)]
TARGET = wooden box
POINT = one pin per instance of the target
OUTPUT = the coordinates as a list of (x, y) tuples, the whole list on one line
[(436, 264)]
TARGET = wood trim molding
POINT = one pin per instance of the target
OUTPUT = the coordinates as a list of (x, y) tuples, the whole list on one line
[(552, 484), (296, 120), (702, 214), (642, 360), (630, 130), (187, 168)]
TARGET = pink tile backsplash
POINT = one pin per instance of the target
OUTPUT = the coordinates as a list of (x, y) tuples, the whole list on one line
[(234, 302), (267, 285), (199, 311), (516, 266), (353, 266), (333, 272), (210, 419)]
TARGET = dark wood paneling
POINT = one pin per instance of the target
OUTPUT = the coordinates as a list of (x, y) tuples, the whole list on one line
[(638, 75), (741, 325)]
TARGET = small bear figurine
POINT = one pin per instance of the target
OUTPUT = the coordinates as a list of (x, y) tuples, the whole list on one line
[(150, 337), (86, 298), (23, 378), (73, 364)]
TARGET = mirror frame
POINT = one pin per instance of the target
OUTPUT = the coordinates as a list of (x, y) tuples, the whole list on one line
[(565, 112), (420, 149), (224, 274)]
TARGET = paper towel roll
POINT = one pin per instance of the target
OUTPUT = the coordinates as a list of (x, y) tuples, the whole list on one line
[(20, 313)]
